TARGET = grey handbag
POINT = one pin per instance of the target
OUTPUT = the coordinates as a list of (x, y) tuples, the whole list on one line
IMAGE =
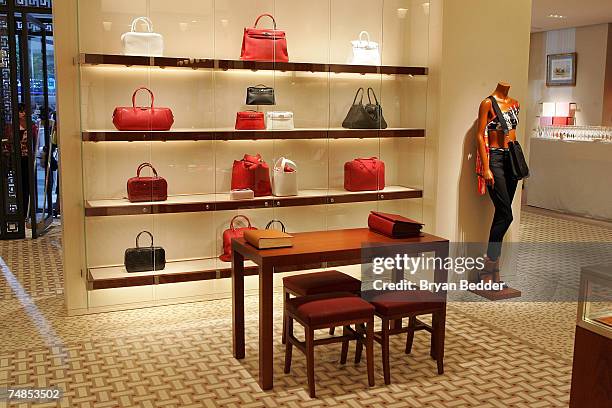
[(260, 95), (143, 259), (369, 116)]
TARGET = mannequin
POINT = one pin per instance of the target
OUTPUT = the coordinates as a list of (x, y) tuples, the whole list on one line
[(495, 171)]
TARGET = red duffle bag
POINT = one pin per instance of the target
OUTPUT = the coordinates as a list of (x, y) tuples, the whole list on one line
[(261, 44), (142, 189), (143, 118), (364, 175), (250, 120), (232, 233), (253, 173)]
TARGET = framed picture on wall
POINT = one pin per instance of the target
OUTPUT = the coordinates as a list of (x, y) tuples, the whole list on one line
[(561, 69)]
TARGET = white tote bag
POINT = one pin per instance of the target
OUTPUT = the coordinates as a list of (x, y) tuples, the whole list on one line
[(279, 120), (365, 52), (284, 183), (148, 44)]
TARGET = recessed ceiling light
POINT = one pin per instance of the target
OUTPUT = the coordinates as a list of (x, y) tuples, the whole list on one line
[(557, 16)]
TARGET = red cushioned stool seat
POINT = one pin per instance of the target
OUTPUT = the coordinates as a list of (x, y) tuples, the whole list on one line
[(392, 303), (321, 282), (327, 309), (392, 307), (324, 311)]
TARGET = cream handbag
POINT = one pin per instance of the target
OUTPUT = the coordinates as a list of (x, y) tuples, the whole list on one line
[(365, 52), (279, 120), (284, 183), (148, 44)]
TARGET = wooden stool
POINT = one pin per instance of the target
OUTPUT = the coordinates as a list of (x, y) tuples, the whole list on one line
[(317, 283), (395, 305), (325, 311)]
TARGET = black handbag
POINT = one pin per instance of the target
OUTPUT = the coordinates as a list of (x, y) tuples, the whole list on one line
[(143, 259), (260, 95), (520, 169), (369, 116)]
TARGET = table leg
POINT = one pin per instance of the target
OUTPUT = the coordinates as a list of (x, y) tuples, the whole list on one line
[(397, 275), (266, 324), (238, 304)]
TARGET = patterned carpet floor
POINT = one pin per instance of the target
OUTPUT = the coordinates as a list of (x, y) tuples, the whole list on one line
[(509, 354)]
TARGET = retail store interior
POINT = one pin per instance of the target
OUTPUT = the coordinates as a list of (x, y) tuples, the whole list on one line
[(194, 193)]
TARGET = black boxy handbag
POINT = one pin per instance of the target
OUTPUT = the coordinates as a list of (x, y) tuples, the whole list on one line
[(143, 259), (260, 95), (520, 170), (369, 116)]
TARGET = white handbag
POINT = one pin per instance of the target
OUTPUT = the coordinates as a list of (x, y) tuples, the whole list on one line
[(148, 44), (279, 120), (365, 52), (284, 183)]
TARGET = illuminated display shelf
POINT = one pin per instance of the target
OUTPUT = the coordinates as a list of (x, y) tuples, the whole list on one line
[(222, 202), (220, 64), (232, 134)]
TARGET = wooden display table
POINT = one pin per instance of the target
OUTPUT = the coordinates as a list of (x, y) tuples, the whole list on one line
[(310, 248)]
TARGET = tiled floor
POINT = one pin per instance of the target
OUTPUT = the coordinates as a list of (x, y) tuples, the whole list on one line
[(513, 354)]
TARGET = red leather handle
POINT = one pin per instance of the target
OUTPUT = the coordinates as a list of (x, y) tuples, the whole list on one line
[(265, 15), (364, 161), (239, 216), (142, 88), (144, 165)]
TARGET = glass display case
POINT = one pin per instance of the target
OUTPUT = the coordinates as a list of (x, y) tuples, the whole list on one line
[(195, 66), (595, 303)]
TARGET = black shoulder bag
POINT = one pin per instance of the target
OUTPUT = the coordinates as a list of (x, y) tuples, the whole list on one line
[(143, 259), (369, 116), (520, 170)]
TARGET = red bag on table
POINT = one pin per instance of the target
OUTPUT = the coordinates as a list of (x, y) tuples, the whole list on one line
[(393, 225), (250, 120), (143, 118), (140, 189), (253, 173), (231, 233), (364, 175), (262, 44)]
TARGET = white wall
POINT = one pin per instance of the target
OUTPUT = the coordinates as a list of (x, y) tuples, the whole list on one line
[(467, 64)]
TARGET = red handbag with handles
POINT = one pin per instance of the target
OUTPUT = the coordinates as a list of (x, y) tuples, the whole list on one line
[(250, 120), (231, 233), (142, 189), (364, 175), (253, 173), (143, 118), (262, 44)]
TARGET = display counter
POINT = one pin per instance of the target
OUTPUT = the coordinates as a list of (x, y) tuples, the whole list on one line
[(571, 176)]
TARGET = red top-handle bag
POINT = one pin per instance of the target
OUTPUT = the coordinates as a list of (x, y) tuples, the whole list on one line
[(364, 175), (232, 233), (141, 189), (151, 118), (262, 44)]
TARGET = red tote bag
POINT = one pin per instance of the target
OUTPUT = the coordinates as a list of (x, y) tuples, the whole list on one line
[(141, 189), (262, 44), (143, 118), (364, 175), (250, 120), (253, 173), (232, 233)]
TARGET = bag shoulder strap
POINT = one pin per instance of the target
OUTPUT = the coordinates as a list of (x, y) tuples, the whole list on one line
[(281, 162), (265, 15), (357, 94), (500, 115), (278, 222), (138, 238), (143, 88), (373, 94), (244, 217), (146, 20), (145, 165)]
